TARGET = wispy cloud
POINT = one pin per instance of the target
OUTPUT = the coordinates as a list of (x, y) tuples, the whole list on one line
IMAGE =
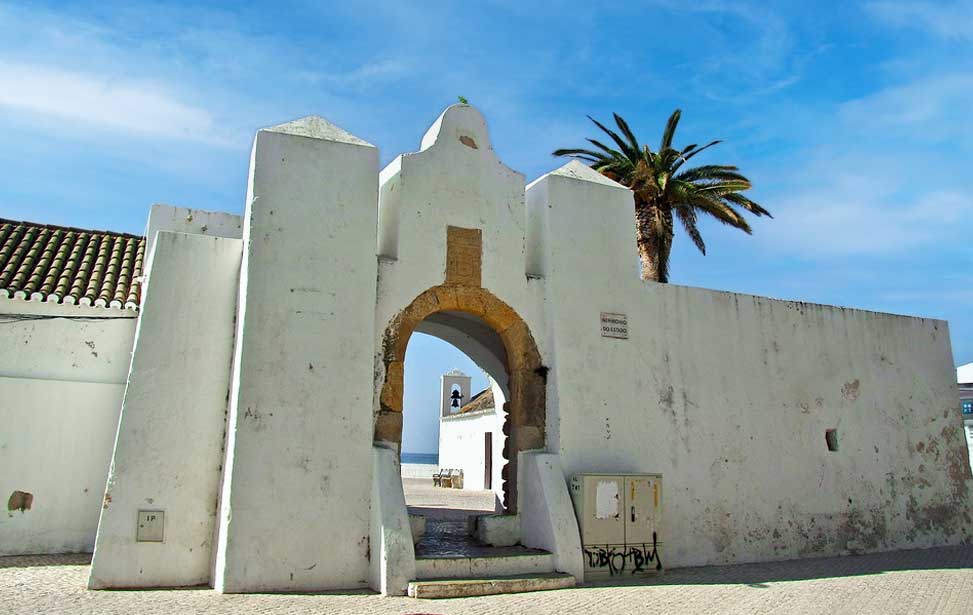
[(927, 109), (755, 47), (851, 216), (951, 20), (877, 176), (133, 106), (363, 77)]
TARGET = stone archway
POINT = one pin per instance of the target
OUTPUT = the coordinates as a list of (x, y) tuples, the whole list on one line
[(526, 405)]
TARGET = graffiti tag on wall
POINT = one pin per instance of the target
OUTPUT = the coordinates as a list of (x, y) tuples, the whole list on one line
[(624, 558)]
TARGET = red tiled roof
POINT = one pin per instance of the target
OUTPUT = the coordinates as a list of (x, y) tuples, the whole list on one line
[(481, 401), (57, 264)]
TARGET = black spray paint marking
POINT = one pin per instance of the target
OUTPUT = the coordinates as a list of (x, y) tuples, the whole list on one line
[(619, 558)]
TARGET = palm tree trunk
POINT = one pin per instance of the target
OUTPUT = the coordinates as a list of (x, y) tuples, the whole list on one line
[(646, 241), (647, 257)]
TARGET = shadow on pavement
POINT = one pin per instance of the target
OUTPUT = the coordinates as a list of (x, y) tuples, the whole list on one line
[(34, 561), (758, 575)]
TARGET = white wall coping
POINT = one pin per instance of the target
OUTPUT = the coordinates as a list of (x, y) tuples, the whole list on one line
[(26, 305)]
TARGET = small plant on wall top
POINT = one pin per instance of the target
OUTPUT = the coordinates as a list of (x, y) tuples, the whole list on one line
[(665, 191)]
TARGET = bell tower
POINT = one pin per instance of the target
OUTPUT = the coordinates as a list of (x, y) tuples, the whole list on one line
[(455, 391)]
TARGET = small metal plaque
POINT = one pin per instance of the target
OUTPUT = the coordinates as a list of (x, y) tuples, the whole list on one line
[(614, 325), (151, 526)]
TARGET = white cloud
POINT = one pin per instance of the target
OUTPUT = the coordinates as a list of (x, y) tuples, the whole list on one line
[(127, 105), (931, 108), (857, 216), (363, 77), (944, 19), (875, 187)]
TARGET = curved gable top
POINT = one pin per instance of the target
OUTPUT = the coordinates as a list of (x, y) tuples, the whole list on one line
[(461, 128), (459, 122)]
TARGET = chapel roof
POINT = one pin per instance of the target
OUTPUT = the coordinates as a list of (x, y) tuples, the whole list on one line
[(481, 401), (59, 264), (964, 374)]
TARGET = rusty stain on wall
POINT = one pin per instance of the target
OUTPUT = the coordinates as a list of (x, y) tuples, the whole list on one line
[(20, 500), (851, 390)]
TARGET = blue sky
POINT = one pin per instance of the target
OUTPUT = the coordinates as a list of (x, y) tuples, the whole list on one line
[(850, 118)]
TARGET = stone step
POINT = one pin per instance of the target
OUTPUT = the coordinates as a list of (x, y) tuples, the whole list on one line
[(532, 562), (464, 588)]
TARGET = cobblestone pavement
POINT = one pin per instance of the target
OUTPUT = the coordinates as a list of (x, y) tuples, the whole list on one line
[(920, 581)]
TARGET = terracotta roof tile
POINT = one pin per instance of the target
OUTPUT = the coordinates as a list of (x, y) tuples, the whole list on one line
[(481, 401), (57, 264)]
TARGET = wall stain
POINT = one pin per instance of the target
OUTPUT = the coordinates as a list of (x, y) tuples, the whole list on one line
[(851, 390), (20, 500)]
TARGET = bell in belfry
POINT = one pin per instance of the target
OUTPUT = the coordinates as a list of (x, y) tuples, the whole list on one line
[(456, 396)]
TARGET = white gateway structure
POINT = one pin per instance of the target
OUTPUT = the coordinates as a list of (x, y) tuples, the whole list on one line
[(259, 427)]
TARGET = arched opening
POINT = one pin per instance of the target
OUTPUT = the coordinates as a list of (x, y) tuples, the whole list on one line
[(472, 319), (452, 441)]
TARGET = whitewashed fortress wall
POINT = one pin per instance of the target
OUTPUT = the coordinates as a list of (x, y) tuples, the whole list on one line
[(728, 396), (61, 381)]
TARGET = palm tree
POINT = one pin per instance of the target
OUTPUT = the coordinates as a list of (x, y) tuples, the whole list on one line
[(662, 189)]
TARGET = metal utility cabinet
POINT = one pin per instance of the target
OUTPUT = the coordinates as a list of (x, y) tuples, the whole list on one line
[(619, 516)]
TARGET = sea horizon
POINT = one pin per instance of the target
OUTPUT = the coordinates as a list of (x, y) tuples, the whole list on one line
[(421, 458)]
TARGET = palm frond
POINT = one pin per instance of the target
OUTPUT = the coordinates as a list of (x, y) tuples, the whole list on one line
[(623, 126), (711, 172), (670, 130), (663, 190), (622, 144), (577, 152), (721, 187), (720, 210), (685, 157), (614, 153), (687, 215), (744, 202)]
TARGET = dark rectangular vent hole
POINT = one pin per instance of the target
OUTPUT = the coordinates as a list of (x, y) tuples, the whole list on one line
[(831, 437)]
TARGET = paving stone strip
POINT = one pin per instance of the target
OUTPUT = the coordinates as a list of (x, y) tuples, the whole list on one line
[(917, 581)]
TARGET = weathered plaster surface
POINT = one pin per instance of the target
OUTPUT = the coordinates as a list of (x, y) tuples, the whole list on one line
[(193, 221), (392, 560), (55, 444), (729, 396), (547, 518), (297, 490), (91, 344), (168, 453), (62, 375)]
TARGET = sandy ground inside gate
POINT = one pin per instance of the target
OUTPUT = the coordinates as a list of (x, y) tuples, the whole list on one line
[(443, 503)]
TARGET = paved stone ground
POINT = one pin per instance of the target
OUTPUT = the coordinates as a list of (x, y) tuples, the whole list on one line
[(446, 511), (926, 581), (444, 503)]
